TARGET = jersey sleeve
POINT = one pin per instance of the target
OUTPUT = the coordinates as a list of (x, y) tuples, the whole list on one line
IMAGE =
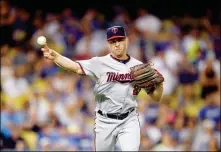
[(136, 62), (139, 62), (90, 67)]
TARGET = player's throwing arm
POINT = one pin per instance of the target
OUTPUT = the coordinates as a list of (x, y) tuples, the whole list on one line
[(58, 58)]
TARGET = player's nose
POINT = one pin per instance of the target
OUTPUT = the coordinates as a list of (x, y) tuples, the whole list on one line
[(117, 43)]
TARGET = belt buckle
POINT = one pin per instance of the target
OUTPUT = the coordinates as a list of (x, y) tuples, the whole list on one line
[(118, 114)]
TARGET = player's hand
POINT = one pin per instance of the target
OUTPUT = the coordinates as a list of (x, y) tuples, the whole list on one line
[(48, 53)]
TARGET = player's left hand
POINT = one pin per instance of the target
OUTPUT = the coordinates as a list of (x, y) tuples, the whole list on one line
[(145, 76)]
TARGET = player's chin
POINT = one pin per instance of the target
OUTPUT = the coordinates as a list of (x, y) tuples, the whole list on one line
[(119, 52), (119, 55)]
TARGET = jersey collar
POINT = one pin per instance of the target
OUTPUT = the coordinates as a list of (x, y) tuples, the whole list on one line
[(121, 61)]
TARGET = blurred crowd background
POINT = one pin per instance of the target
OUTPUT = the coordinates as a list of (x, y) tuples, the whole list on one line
[(44, 107)]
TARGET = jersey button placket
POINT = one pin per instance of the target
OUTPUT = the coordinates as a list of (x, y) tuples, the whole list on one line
[(127, 71)]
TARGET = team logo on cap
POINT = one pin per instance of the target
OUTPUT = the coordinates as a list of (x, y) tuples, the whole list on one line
[(114, 30)]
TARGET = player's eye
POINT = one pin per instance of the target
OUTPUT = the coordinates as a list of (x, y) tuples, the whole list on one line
[(120, 39), (111, 42)]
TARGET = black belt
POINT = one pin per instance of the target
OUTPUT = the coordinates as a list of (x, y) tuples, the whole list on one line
[(115, 115)]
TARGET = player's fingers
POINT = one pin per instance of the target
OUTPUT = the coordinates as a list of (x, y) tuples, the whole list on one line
[(50, 51), (44, 49), (46, 54), (46, 46)]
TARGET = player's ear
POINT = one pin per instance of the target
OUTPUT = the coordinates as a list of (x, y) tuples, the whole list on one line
[(109, 45)]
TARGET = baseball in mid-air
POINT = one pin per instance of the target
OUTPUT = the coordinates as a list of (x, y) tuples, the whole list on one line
[(41, 40)]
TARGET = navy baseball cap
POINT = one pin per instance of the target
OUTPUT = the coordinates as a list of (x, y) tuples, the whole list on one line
[(116, 32)]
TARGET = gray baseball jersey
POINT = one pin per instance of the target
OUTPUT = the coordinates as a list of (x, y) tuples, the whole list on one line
[(113, 90), (113, 94)]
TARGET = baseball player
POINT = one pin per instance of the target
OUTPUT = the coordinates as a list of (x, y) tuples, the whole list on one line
[(114, 91)]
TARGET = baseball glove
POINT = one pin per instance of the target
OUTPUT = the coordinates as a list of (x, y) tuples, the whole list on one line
[(146, 77)]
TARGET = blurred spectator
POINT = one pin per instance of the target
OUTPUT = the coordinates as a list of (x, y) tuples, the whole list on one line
[(213, 145), (38, 29), (122, 17), (154, 134), (49, 69), (173, 52), (53, 31), (211, 109), (145, 143), (22, 27), (168, 143), (93, 41), (16, 88), (191, 44), (187, 75), (20, 145), (216, 41), (159, 62), (88, 21), (91, 44), (7, 18), (147, 23), (209, 80), (20, 57), (11, 126), (134, 48), (204, 137), (39, 108), (72, 31), (6, 64)]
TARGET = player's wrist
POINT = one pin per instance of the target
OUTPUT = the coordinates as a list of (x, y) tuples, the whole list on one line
[(56, 56), (157, 93)]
